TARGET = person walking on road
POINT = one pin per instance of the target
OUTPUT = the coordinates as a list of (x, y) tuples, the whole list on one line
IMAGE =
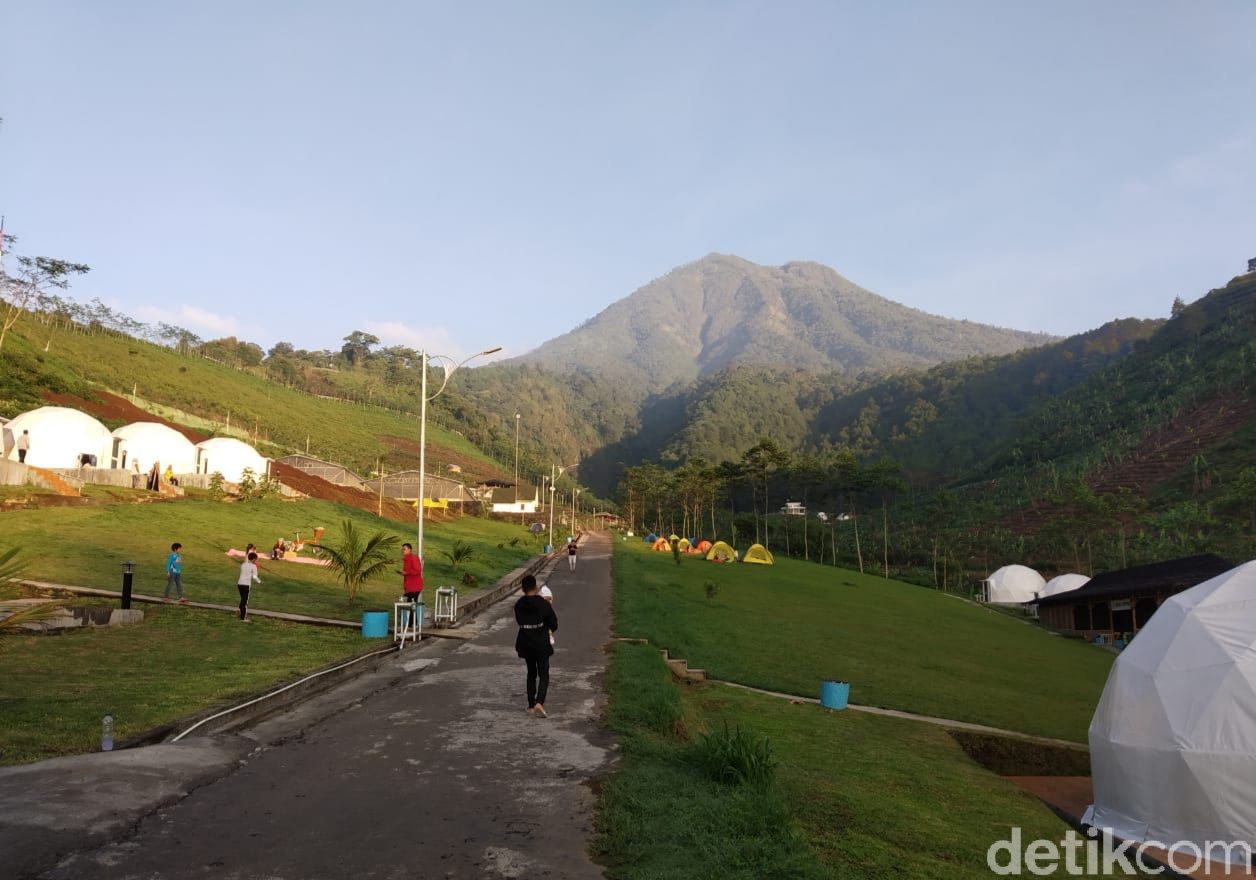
[(411, 574), (536, 621), (244, 583), (174, 572), (571, 555)]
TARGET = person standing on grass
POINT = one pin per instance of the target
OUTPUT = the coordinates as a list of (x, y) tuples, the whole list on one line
[(248, 575), (23, 446), (536, 621), (174, 572), (411, 574), (571, 555)]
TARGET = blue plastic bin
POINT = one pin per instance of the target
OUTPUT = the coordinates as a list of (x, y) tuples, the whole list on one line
[(834, 694), (375, 624)]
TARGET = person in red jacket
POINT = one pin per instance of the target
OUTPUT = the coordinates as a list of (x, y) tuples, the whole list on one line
[(411, 573)]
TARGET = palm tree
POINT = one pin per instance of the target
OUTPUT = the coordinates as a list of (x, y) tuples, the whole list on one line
[(355, 561), (458, 554), (10, 568)]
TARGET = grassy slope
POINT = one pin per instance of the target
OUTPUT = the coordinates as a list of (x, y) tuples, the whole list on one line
[(182, 660), (341, 432), (55, 689), (788, 626), (856, 796), (85, 546)]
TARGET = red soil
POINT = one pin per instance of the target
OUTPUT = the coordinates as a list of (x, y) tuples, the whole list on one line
[(111, 407), (317, 487)]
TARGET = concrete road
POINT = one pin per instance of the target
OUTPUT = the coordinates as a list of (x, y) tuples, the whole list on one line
[(431, 768)]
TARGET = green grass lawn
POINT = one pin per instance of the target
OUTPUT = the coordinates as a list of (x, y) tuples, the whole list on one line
[(86, 546), (855, 795), (55, 689), (788, 626)]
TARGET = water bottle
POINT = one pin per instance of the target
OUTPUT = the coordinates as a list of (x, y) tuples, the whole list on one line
[(106, 733)]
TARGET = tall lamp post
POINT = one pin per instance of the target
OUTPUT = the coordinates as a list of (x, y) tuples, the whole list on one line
[(574, 495), (423, 398), (518, 419), (555, 473)]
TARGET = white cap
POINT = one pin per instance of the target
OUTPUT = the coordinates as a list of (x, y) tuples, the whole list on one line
[(546, 592)]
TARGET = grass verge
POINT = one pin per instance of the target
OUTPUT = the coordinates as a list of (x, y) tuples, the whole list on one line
[(855, 795), (55, 689)]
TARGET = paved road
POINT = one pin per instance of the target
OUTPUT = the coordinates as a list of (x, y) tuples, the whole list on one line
[(436, 771)]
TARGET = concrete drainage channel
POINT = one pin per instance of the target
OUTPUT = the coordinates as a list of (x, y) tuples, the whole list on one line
[(276, 699)]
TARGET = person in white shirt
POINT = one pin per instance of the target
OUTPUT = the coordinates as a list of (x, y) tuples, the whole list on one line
[(248, 575)]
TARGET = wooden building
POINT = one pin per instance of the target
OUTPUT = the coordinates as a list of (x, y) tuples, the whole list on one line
[(1119, 602)]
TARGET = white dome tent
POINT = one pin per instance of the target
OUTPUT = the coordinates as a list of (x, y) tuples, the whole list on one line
[(1173, 740), (59, 436), (1063, 583), (229, 457), (1012, 585), (143, 444)]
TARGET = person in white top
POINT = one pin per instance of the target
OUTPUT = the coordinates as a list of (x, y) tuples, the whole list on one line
[(548, 595), (248, 575)]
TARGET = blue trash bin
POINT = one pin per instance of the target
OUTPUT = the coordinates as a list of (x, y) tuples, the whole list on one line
[(834, 694), (375, 624)]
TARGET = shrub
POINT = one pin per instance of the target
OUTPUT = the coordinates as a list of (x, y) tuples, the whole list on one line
[(711, 588), (217, 486), (735, 757), (469, 580)]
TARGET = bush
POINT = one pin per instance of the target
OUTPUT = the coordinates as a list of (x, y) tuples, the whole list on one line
[(735, 757)]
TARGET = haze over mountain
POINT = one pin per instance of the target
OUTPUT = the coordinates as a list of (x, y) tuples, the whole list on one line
[(723, 310)]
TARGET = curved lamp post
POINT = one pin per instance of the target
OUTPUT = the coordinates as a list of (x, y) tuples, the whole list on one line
[(555, 473), (450, 369)]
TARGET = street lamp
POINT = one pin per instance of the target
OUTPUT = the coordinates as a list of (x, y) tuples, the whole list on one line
[(556, 472), (518, 419), (574, 494), (423, 398)]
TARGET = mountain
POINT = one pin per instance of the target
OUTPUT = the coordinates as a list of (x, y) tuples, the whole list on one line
[(722, 310)]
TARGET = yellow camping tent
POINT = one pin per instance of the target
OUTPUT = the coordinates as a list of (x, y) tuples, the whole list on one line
[(720, 552), (661, 545), (758, 554), (683, 544)]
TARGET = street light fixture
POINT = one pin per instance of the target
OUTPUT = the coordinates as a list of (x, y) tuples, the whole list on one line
[(518, 419), (556, 472), (423, 398)]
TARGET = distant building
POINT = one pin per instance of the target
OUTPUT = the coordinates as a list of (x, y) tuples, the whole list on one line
[(1251, 266), (794, 508), (404, 486), (1123, 601)]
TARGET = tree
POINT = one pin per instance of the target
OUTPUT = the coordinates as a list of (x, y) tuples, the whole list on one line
[(458, 554), (354, 561), (36, 276), (357, 347), (762, 460), (1177, 308)]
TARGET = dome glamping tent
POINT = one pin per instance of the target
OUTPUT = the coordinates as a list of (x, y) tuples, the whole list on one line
[(59, 438), (228, 457), (758, 554), (1063, 583), (1012, 585), (1173, 743), (143, 444)]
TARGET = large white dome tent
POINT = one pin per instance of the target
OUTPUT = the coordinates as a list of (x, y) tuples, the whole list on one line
[(1012, 585), (1063, 583), (229, 457), (59, 436), (1173, 739), (143, 444)]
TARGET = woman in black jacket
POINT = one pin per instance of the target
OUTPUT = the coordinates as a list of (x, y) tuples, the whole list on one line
[(536, 621)]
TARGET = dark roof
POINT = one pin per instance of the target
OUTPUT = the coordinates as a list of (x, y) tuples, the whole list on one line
[(1175, 576)]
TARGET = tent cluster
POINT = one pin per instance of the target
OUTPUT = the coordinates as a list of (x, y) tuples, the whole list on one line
[(1019, 584), (718, 551), (61, 437)]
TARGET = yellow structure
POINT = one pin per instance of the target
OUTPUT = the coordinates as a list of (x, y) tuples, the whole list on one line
[(720, 552), (758, 554)]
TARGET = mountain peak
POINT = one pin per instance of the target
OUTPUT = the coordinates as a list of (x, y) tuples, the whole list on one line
[(723, 309)]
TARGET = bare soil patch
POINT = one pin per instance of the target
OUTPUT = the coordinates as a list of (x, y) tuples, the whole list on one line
[(110, 407)]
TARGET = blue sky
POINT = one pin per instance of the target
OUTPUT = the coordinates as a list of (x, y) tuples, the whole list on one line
[(458, 176)]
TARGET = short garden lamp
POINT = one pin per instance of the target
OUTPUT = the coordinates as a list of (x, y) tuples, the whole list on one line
[(128, 573)]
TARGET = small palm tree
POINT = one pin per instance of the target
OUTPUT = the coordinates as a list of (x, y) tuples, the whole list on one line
[(354, 560), (10, 568), (458, 554)]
